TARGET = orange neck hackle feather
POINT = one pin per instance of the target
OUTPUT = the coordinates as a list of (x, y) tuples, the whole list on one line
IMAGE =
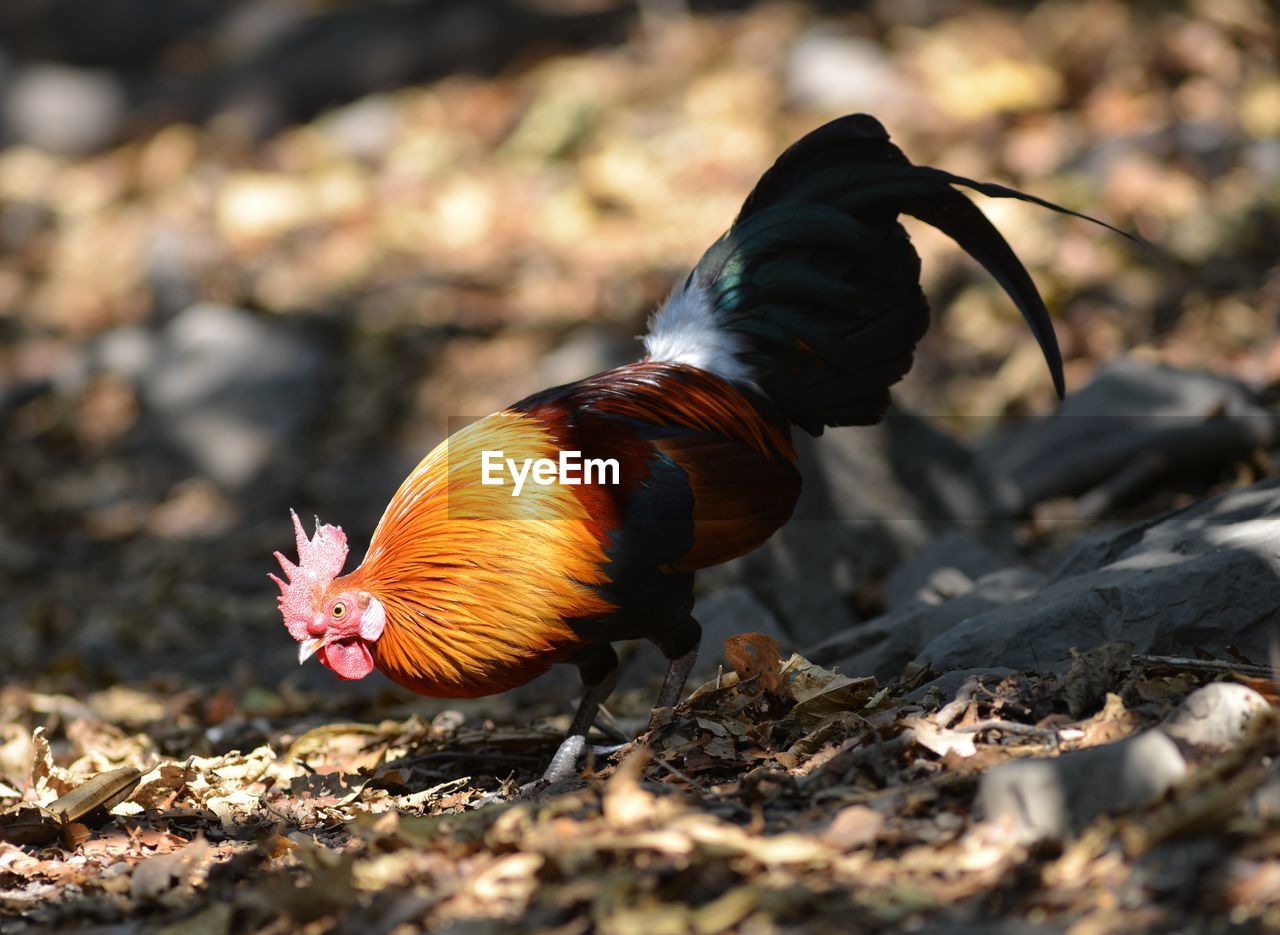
[(477, 583)]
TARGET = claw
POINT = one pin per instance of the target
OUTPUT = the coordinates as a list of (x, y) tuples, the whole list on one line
[(563, 768), (608, 749), (564, 765)]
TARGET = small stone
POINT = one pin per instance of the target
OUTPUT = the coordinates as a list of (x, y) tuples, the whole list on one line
[(828, 70), (64, 109), (364, 129), (1214, 717), (1056, 798), (853, 827), (232, 391), (128, 351)]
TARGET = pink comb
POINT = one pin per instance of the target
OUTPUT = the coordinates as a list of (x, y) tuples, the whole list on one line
[(320, 559)]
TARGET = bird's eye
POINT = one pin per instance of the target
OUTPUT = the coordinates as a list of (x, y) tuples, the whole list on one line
[(338, 610)]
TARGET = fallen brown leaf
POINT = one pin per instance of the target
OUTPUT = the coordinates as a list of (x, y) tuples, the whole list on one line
[(102, 791), (756, 656)]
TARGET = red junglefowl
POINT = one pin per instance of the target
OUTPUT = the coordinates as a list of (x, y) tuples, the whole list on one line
[(804, 313)]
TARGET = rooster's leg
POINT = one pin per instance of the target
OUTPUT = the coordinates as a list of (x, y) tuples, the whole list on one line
[(599, 670), (680, 646)]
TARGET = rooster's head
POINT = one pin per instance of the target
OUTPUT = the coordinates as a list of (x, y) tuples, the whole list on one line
[(328, 617)]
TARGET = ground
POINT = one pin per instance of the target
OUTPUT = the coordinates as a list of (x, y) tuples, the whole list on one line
[(792, 798)]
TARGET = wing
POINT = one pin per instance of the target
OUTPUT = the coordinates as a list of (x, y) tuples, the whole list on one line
[(707, 471), (739, 497)]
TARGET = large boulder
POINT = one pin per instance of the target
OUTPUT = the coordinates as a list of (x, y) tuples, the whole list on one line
[(872, 497), (1207, 576), (885, 645), (1133, 424)]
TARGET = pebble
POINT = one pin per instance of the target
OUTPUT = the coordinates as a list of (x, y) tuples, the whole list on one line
[(1215, 716), (1055, 798)]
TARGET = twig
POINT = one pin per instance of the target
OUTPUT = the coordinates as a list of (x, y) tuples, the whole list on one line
[(659, 760), (1208, 665), (1011, 727), (266, 804), (946, 715)]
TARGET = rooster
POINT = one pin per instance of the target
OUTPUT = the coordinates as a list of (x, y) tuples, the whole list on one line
[(803, 314)]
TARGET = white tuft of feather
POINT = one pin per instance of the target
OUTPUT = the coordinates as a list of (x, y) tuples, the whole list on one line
[(685, 331)]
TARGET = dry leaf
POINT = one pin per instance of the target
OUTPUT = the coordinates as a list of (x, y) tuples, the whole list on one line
[(30, 824), (75, 834), (755, 656), (157, 875), (853, 827), (102, 791), (161, 784), (820, 693), (47, 778)]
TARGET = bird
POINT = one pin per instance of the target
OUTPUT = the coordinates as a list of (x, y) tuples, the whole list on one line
[(492, 562)]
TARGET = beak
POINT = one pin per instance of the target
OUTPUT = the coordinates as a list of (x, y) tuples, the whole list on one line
[(307, 648)]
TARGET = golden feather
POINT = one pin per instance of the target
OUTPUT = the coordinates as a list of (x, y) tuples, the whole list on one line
[(477, 584)]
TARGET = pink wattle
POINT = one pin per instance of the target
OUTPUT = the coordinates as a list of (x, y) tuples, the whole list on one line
[(349, 659)]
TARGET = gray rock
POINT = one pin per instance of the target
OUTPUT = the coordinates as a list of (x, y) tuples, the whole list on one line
[(945, 568), (364, 129), (827, 70), (178, 260), (1214, 717), (1056, 798), (1129, 412), (232, 391), (722, 614), (1093, 674), (128, 351), (1263, 157), (871, 498), (1207, 575), (885, 645), (64, 109)]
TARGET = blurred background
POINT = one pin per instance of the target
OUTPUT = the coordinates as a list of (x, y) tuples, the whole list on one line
[(254, 255)]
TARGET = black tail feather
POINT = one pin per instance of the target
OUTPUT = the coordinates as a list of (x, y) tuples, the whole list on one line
[(962, 221), (820, 282)]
